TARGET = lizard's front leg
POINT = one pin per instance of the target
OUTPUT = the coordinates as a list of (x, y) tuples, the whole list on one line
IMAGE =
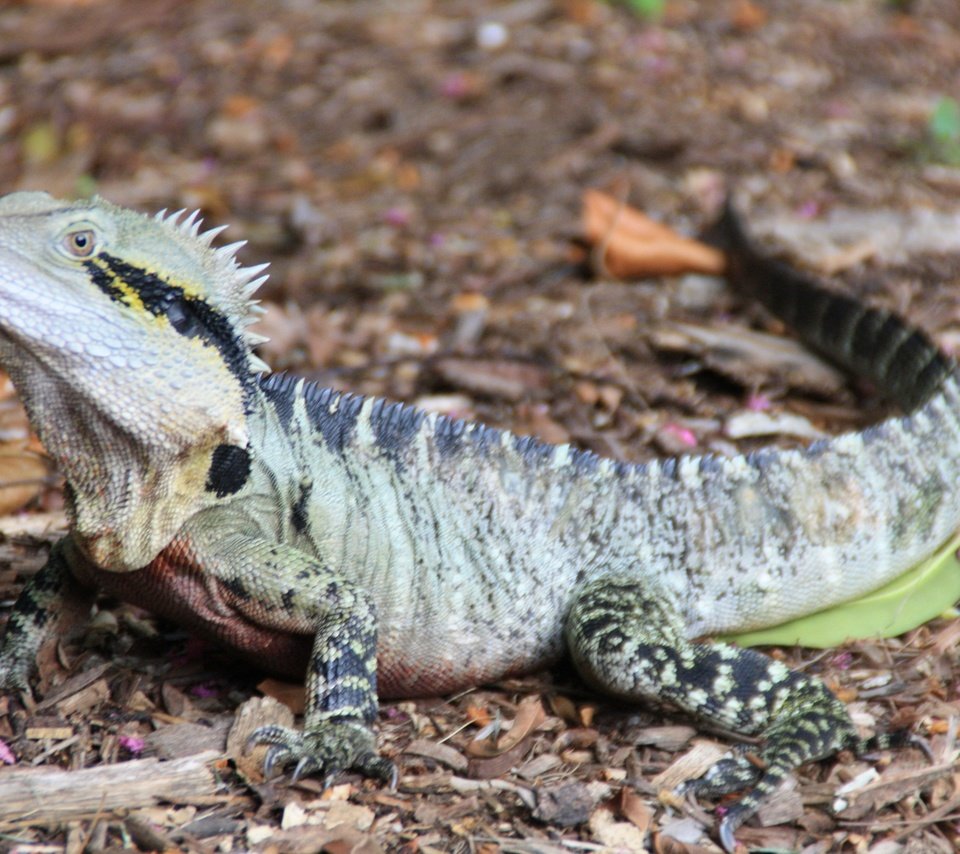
[(49, 603), (278, 586)]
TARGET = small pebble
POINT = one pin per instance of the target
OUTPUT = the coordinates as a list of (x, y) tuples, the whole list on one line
[(492, 35)]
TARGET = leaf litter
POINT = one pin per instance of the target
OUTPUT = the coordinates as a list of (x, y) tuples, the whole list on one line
[(416, 176)]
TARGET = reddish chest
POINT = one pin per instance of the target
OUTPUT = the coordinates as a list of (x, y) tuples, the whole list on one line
[(175, 587)]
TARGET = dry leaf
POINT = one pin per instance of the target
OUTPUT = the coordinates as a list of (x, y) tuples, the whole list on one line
[(895, 783), (565, 708), (570, 803), (534, 768), (533, 419), (256, 712), (175, 701), (498, 378), (480, 715), (748, 16), (493, 761), (746, 424), (530, 715), (689, 766), (751, 358), (497, 765), (617, 835), (289, 693), (634, 808), (442, 753), (632, 244)]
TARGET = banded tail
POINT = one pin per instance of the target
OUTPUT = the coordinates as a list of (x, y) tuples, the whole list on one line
[(904, 362)]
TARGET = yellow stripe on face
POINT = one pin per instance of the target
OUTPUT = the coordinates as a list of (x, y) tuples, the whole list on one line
[(119, 289), (128, 292)]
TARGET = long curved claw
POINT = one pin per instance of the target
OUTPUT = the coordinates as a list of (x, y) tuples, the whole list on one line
[(732, 773), (303, 767), (725, 834), (381, 768), (275, 755)]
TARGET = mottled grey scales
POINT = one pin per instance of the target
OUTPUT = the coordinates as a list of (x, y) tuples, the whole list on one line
[(379, 550)]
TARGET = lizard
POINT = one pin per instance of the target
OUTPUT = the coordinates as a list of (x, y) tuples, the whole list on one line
[(383, 551)]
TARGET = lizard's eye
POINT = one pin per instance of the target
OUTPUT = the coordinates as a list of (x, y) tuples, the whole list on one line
[(80, 244)]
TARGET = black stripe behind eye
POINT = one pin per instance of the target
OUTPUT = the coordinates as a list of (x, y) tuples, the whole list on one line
[(190, 316), (103, 280)]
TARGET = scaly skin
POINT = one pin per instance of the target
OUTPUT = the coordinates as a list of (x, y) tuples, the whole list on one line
[(380, 549)]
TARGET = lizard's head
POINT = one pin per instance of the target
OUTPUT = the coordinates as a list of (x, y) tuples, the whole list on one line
[(127, 339), (140, 315)]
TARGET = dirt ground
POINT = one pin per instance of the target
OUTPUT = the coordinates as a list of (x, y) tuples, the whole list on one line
[(414, 172)]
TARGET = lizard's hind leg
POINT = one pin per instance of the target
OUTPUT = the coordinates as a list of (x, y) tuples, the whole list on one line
[(629, 641)]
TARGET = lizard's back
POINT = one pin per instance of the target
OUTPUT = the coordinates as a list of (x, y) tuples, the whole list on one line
[(473, 541)]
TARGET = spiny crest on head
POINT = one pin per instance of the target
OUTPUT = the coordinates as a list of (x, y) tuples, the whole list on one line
[(232, 285)]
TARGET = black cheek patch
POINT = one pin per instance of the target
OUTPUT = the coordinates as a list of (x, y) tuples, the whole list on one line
[(229, 470)]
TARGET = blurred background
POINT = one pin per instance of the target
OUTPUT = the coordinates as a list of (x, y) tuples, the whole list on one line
[(414, 170)]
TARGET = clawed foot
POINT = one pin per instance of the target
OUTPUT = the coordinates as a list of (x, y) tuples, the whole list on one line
[(328, 748), (733, 773)]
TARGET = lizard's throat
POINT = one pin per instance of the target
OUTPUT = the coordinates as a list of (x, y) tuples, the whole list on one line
[(126, 497)]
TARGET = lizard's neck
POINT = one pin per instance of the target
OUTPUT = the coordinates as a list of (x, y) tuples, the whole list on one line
[(127, 494)]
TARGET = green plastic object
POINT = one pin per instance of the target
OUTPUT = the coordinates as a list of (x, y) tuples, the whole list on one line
[(928, 590)]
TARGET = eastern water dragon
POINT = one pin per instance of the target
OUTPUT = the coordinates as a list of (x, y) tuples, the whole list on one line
[(382, 550)]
